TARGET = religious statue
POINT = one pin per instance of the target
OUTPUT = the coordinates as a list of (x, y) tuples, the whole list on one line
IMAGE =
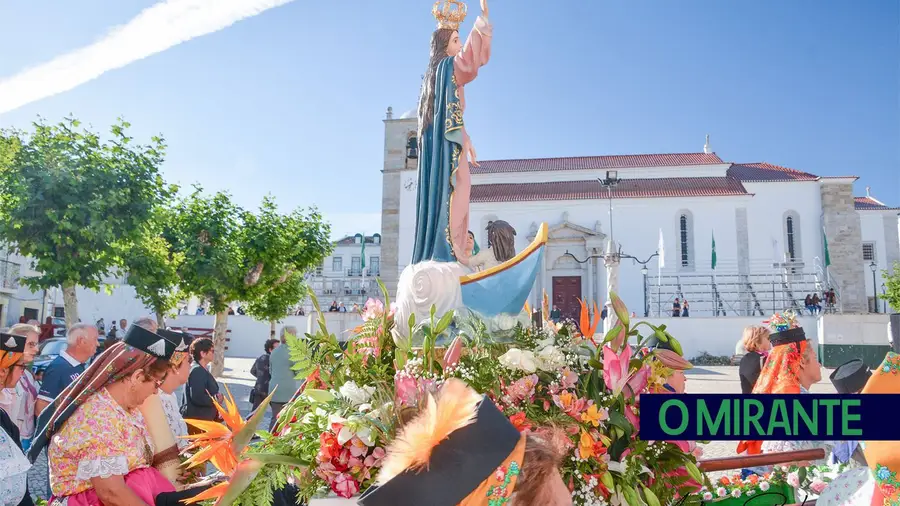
[(440, 275), (445, 150)]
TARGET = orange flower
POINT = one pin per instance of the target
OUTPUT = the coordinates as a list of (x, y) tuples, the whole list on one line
[(594, 416), (586, 445), (724, 481), (520, 421), (753, 478), (588, 328)]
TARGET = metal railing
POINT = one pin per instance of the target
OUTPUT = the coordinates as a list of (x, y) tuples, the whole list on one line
[(729, 293)]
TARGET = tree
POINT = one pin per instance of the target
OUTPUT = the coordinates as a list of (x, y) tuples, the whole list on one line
[(892, 287), (73, 202), (152, 266), (231, 254), (275, 304)]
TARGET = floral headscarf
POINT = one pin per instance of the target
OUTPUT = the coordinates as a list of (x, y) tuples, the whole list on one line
[(781, 373)]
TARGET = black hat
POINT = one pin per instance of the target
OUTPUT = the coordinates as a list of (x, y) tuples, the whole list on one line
[(181, 340), (12, 343), (150, 342), (794, 335), (850, 377), (458, 465)]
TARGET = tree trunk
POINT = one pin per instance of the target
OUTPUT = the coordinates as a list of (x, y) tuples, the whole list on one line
[(70, 303), (161, 320), (219, 334), (272, 329)]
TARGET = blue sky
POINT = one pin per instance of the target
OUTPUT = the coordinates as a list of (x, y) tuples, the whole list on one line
[(290, 102)]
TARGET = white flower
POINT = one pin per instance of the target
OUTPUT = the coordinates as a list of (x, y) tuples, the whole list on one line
[(764, 485), (707, 496), (551, 359), (519, 360), (356, 394), (793, 479), (736, 493), (721, 492)]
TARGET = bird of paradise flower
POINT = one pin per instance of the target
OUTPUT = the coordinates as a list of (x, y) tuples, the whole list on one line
[(225, 445)]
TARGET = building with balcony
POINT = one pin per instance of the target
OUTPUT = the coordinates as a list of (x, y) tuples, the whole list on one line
[(349, 274)]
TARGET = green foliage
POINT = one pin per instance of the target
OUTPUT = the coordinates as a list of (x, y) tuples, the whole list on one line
[(207, 231), (74, 202), (892, 287), (152, 266), (274, 304)]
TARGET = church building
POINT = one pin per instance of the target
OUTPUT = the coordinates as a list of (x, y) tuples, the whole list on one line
[(731, 238)]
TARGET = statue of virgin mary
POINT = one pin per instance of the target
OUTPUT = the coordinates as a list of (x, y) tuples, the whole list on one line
[(445, 150)]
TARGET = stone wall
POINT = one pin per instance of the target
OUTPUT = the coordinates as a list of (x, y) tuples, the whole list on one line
[(396, 134), (891, 241), (843, 230)]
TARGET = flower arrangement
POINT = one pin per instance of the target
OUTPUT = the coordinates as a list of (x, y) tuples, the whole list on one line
[(787, 481), (358, 393)]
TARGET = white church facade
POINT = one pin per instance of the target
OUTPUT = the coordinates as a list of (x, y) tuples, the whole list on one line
[(769, 224)]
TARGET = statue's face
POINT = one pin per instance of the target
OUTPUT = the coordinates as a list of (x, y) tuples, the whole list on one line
[(454, 46)]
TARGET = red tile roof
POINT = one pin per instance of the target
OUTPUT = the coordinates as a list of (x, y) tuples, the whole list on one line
[(762, 172), (596, 162), (870, 204), (591, 189)]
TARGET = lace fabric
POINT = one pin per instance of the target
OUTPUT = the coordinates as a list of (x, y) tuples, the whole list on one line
[(102, 468), (13, 471)]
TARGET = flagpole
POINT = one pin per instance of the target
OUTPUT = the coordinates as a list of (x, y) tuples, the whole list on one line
[(362, 268)]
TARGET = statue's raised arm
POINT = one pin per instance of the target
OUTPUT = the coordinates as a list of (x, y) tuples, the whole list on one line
[(445, 150)]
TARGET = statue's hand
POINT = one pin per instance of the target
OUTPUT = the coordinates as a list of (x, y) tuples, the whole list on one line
[(473, 157), (484, 9)]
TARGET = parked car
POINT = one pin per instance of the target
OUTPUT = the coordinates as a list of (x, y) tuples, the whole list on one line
[(50, 349), (59, 327)]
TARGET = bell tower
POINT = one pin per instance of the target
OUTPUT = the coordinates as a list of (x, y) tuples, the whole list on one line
[(398, 195)]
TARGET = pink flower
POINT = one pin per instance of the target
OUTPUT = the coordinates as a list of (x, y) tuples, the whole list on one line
[(818, 486), (571, 404), (451, 357), (345, 486), (633, 418), (375, 458), (357, 447), (568, 378), (326, 471), (521, 389), (374, 308), (793, 479), (407, 389), (615, 372)]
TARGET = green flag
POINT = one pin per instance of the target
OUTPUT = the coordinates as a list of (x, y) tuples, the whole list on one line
[(714, 251), (362, 261), (827, 256)]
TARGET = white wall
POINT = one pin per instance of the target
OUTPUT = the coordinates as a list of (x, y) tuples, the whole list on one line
[(407, 229), (716, 336), (872, 229), (766, 216), (855, 329)]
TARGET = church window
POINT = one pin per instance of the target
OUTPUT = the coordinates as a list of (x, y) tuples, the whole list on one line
[(337, 264), (792, 240), (792, 252), (683, 234), (868, 251)]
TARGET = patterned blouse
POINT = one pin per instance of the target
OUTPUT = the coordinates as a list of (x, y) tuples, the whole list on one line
[(100, 440)]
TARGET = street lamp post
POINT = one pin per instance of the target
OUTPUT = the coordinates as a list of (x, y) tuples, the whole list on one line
[(610, 182), (874, 267), (884, 299), (646, 307)]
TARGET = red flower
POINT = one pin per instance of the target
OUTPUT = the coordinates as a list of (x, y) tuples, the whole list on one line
[(345, 486), (328, 445), (520, 421)]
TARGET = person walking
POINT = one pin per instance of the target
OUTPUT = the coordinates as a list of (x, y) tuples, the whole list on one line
[(262, 372), (282, 380)]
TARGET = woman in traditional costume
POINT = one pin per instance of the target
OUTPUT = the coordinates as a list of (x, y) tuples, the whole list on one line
[(13, 464), (792, 367), (445, 150), (162, 414), (19, 400), (879, 483), (99, 447)]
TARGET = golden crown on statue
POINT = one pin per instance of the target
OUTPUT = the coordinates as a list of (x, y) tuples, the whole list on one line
[(449, 13)]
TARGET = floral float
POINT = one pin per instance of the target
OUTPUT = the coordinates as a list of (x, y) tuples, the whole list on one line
[(783, 485), (357, 393)]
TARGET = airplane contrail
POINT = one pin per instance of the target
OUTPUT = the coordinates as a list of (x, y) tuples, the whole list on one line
[(157, 28)]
